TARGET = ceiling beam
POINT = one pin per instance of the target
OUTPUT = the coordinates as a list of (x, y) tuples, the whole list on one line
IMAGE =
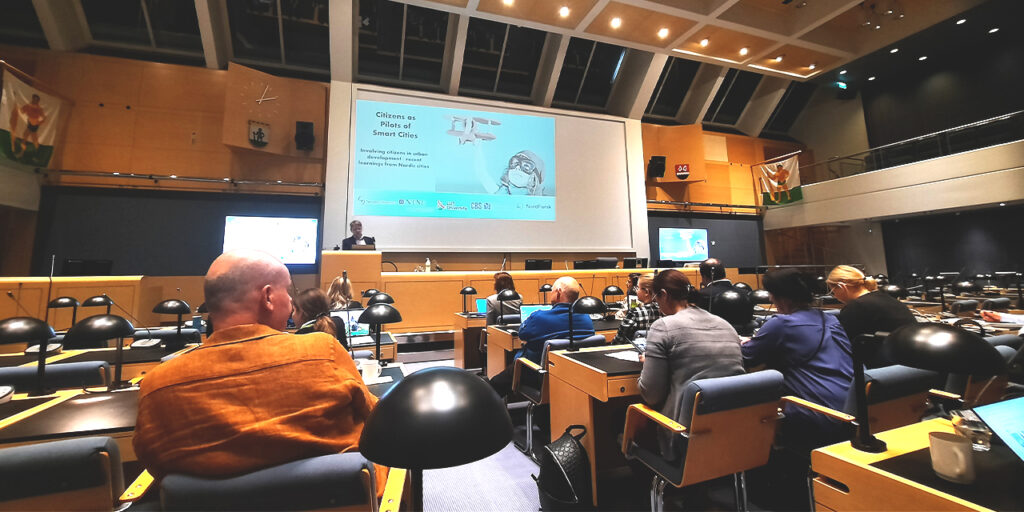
[(454, 53), (213, 30), (638, 77), (592, 15), (64, 25), (762, 103), (549, 69), (702, 91), (343, 18)]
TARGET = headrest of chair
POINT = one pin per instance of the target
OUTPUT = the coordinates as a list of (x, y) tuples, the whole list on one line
[(1002, 303), (328, 481), (165, 334), (732, 392), (1007, 352), (963, 306), (562, 344), (73, 464), (1011, 340), (58, 376), (890, 382), (509, 319), (362, 354)]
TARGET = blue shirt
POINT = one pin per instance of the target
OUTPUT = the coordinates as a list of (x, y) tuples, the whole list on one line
[(551, 324), (785, 342)]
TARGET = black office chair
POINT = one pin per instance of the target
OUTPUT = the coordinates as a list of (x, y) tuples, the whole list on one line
[(1000, 304), (964, 307), (58, 376), (532, 264), (74, 474), (606, 262)]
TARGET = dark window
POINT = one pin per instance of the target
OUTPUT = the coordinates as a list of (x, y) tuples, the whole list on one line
[(307, 40), (732, 97), (175, 26), (255, 33), (521, 59), (792, 103), (19, 24), (588, 73), (401, 43), (676, 78), (500, 59), (485, 41), (426, 31), (118, 21)]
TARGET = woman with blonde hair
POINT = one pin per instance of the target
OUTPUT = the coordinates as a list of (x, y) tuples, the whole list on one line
[(867, 310), (312, 315), (339, 295)]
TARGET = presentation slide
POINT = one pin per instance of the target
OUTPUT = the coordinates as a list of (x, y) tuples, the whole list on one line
[(427, 161), (681, 244), (292, 240)]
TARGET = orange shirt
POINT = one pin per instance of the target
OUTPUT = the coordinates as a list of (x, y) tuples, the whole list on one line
[(251, 397)]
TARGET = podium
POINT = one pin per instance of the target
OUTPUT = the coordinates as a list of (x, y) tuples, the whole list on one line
[(363, 269)]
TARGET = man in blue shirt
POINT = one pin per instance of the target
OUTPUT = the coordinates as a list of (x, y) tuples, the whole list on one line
[(546, 325)]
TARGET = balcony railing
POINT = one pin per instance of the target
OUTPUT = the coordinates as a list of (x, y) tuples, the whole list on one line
[(977, 135)]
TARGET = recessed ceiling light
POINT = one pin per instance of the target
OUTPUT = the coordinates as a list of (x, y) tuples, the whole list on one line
[(705, 42), (744, 51), (812, 66), (508, 2), (662, 33), (923, 57), (894, 50), (616, 22), (871, 78), (843, 72), (961, 21), (564, 11), (993, 31), (778, 59), (1002, 204)]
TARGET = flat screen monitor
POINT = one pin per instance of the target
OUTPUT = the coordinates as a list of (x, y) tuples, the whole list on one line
[(289, 239), (1006, 419), (538, 264), (682, 244), (350, 318), (528, 309), (481, 305)]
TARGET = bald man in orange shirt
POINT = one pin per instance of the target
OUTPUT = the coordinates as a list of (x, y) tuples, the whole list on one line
[(251, 396)]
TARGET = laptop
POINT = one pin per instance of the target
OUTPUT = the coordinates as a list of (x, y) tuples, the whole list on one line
[(528, 309), (350, 318), (481, 309), (1006, 420)]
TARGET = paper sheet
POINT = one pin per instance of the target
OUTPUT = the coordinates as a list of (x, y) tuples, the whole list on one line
[(626, 355)]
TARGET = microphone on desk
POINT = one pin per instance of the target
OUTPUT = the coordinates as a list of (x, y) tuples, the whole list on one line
[(503, 263)]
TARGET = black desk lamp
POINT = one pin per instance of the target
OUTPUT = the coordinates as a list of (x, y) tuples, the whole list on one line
[(761, 296), (504, 295), (1020, 292), (469, 290), (965, 287), (102, 328), (26, 329), (882, 279), (927, 346), (611, 290), (743, 288), (435, 418), (380, 298), (66, 302), (545, 288), (377, 314), (587, 305), (895, 291), (370, 293), (174, 307), (98, 300)]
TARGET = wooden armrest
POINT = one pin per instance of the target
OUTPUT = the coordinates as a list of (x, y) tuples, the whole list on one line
[(393, 489), (831, 413), (529, 364), (138, 488), (517, 370), (938, 393), (635, 415)]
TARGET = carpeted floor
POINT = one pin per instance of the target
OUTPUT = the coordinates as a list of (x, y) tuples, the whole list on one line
[(499, 482)]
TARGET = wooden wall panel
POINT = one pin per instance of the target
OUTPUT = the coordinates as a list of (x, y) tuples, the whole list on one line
[(17, 236)]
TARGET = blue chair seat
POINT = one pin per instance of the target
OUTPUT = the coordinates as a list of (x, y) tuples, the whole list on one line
[(74, 474)]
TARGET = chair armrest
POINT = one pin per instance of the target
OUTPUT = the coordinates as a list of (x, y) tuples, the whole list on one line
[(821, 409), (640, 413), (393, 489), (938, 393), (517, 370), (138, 488)]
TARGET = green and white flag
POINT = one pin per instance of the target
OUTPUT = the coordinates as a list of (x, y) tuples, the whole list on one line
[(28, 122), (780, 182)]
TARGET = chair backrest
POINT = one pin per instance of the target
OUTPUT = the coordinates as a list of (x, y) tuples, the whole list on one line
[(606, 262), (983, 390), (1010, 340), (1000, 304), (538, 264), (962, 307), (897, 395), (731, 424), (560, 344), (74, 474), (57, 376), (509, 319), (325, 482)]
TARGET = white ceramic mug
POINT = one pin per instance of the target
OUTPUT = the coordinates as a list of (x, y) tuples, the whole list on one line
[(952, 457), (371, 369)]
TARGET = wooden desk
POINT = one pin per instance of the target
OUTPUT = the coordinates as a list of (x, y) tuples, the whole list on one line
[(31, 292), (467, 340), (505, 338), (849, 479), (591, 389), (388, 345)]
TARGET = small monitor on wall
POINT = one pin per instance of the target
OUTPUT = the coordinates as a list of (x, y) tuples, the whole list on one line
[(682, 244), (292, 240)]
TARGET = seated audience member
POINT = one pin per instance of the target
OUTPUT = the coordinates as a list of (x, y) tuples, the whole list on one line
[(813, 354), (495, 308), (312, 315), (712, 282), (995, 316), (339, 294), (643, 315), (251, 396), (686, 344), (547, 325), (357, 237), (867, 310)]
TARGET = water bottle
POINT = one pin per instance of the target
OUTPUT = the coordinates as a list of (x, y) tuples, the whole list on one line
[(427, 266)]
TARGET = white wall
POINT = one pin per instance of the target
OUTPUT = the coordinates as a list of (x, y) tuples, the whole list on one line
[(831, 127), (976, 178)]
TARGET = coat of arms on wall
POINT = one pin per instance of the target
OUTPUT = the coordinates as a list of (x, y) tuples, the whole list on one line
[(259, 134)]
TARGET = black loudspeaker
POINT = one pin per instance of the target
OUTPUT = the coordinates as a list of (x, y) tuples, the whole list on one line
[(304, 138), (656, 167)]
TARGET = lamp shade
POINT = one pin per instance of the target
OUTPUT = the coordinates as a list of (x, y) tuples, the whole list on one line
[(380, 298), (173, 307), (98, 300), (64, 302), (23, 329), (202, 308), (544, 288), (612, 290), (942, 348), (380, 313), (895, 291), (436, 418), (589, 305), (963, 287), (370, 293), (507, 294), (469, 290), (98, 328), (743, 288), (760, 296), (733, 306)]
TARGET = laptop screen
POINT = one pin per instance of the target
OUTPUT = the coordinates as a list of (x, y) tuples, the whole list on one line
[(481, 305), (352, 326), (1006, 419), (528, 309)]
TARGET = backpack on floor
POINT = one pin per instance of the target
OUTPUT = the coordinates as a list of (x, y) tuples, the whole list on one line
[(563, 481)]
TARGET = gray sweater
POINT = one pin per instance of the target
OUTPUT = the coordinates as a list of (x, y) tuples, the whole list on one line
[(691, 344)]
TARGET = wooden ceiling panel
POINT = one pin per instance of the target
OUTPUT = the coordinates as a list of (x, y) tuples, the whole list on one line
[(456, 3), (639, 25), (725, 44), (701, 6), (798, 60), (541, 11)]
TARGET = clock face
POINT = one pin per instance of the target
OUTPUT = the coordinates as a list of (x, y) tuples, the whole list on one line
[(261, 100)]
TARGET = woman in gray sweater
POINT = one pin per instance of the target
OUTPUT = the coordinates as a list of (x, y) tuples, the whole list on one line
[(686, 344)]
